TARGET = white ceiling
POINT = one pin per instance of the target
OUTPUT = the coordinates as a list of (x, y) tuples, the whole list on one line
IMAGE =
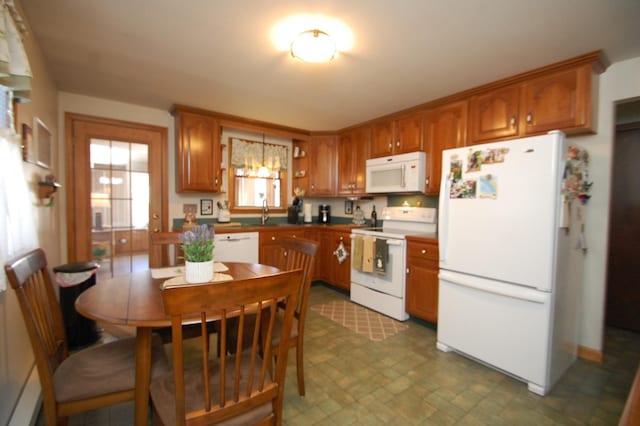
[(219, 55)]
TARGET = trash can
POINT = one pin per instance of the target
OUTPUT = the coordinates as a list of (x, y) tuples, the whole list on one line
[(73, 279)]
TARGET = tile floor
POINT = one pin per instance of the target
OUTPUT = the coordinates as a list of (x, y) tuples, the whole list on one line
[(404, 380)]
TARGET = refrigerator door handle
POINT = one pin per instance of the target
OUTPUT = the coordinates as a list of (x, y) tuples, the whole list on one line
[(506, 290)]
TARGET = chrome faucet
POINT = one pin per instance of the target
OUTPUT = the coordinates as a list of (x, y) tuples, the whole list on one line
[(265, 211)]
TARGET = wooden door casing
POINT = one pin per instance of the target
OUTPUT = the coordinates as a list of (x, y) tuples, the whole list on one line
[(79, 130)]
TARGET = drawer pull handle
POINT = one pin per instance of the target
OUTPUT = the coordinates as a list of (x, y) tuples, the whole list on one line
[(424, 251)]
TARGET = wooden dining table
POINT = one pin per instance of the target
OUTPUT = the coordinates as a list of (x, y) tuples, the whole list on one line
[(135, 300)]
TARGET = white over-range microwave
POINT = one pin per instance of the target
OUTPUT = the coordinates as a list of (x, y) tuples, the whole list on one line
[(397, 173)]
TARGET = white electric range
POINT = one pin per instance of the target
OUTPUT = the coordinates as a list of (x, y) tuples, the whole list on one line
[(381, 285)]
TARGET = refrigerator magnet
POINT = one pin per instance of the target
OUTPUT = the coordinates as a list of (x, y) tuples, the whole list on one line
[(456, 169), (488, 186), (474, 161)]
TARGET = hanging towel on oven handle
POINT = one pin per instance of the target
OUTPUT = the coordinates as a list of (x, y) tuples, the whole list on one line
[(381, 256), (356, 259)]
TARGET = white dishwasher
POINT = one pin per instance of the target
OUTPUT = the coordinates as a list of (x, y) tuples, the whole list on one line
[(236, 247)]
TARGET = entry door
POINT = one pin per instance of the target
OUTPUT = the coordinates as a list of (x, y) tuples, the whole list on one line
[(623, 277), (117, 189)]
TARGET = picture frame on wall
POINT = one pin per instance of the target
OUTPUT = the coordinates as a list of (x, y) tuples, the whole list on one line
[(348, 206), (28, 146), (206, 207), (42, 138)]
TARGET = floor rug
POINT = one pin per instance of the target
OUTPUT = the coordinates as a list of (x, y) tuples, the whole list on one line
[(375, 326)]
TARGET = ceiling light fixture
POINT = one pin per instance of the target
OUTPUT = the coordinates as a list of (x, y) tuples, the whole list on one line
[(313, 46)]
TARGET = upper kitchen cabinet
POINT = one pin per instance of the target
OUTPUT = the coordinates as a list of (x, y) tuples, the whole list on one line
[(445, 127), (494, 115), (397, 136), (353, 152), (198, 152), (561, 100), (322, 166), (555, 97)]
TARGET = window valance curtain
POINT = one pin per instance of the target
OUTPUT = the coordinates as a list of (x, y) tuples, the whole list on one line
[(15, 72), (248, 154)]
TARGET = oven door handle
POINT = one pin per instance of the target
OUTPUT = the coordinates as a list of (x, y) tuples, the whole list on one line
[(394, 242)]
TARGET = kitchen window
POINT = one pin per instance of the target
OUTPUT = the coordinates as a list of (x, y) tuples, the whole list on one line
[(257, 173)]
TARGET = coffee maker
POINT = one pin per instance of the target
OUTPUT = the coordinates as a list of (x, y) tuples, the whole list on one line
[(324, 213)]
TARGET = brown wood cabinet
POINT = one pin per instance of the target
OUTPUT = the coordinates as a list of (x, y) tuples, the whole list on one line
[(300, 165), (561, 100), (422, 279), (271, 252), (353, 152), (335, 273), (198, 153), (322, 166), (445, 127), (558, 100), (397, 136), (494, 115)]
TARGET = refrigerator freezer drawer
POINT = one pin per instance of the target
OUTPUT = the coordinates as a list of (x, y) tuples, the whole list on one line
[(503, 329)]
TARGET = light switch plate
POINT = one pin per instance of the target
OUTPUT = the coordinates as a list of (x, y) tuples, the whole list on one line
[(190, 208)]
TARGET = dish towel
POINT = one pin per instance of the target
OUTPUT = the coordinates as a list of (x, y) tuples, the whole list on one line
[(356, 260), (367, 253), (382, 256)]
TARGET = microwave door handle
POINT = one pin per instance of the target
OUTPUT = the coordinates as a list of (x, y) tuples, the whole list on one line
[(402, 176)]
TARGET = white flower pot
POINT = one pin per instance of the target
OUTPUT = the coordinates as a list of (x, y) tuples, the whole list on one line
[(198, 272)]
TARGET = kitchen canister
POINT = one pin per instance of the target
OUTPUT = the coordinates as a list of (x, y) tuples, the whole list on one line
[(307, 212)]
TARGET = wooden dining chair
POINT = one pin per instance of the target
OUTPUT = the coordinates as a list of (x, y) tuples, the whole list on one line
[(238, 387), (298, 253), (92, 378), (164, 249)]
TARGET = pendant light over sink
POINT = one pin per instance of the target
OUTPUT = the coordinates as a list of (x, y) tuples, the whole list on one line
[(313, 46)]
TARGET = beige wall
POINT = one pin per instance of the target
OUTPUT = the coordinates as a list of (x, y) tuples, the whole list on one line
[(16, 360)]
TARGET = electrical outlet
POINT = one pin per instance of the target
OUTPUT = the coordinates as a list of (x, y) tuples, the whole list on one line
[(190, 208)]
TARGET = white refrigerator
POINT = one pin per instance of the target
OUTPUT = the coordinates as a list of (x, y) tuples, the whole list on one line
[(510, 258)]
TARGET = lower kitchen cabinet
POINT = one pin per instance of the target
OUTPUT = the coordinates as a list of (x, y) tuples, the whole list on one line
[(271, 252), (331, 270), (422, 278)]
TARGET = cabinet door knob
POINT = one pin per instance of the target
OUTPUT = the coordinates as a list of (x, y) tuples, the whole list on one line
[(156, 229), (155, 216), (408, 271), (529, 118), (273, 238), (390, 146), (398, 143), (424, 251)]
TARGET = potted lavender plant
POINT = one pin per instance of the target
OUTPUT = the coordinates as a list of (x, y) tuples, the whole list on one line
[(197, 246)]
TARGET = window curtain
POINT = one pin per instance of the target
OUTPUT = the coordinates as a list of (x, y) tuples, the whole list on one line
[(17, 224), (15, 72), (248, 154)]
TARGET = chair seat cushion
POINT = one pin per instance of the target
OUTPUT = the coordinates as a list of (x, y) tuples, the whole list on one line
[(163, 391), (103, 369)]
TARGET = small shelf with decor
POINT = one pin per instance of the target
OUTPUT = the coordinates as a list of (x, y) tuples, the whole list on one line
[(46, 189), (300, 167)]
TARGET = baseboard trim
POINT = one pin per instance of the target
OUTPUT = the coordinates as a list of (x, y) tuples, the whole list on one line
[(28, 406), (590, 354)]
